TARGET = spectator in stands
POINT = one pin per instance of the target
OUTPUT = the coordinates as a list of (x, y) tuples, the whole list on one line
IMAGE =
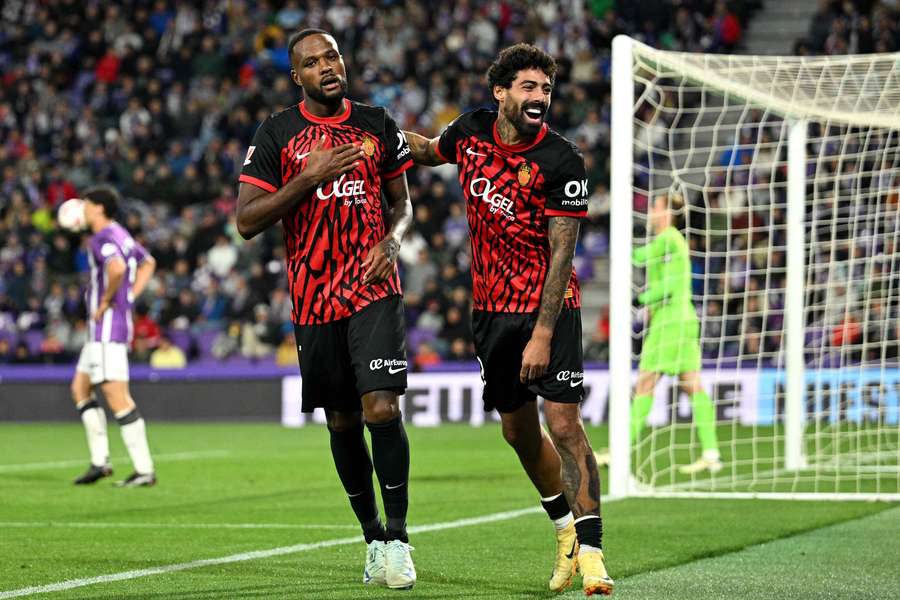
[(726, 28), (426, 357), (258, 338), (286, 353), (167, 356), (6, 352)]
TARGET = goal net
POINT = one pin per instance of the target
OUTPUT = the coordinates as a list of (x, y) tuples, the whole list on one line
[(788, 171)]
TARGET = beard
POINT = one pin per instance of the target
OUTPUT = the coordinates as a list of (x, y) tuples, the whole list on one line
[(333, 97), (524, 126)]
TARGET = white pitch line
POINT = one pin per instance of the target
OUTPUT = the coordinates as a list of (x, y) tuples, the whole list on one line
[(257, 554), (59, 464), (101, 525)]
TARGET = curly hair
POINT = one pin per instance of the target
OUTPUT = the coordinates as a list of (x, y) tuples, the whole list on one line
[(517, 58)]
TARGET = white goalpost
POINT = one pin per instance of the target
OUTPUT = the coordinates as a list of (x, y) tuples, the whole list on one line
[(789, 169)]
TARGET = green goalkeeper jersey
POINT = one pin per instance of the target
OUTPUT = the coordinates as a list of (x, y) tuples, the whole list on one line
[(668, 275), (672, 341)]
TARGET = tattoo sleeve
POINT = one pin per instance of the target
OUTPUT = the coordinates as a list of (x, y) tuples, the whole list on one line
[(422, 150), (563, 233)]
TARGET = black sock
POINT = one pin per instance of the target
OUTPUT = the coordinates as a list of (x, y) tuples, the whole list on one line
[(390, 452), (354, 467), (590, 532), (557, 508)]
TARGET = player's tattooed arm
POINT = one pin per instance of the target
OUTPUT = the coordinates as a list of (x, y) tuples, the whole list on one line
[(258, 209), (423, 150), (563, 233), (379, 264)]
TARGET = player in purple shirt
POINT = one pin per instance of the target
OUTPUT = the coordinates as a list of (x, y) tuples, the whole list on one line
[(120, 269)]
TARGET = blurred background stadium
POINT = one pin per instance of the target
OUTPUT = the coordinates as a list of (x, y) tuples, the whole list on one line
[(161, 99)]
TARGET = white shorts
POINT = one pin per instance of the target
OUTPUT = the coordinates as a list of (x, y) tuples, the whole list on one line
[(104, 361)]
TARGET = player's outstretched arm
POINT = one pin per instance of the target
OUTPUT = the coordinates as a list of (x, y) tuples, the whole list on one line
[(423, 150), (563, 234), (379, 264), (258, 209)]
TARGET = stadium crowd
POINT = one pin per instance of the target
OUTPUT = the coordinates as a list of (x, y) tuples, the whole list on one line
[(859, 27), (162, 98)]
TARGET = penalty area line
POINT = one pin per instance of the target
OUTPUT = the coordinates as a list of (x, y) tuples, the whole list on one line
[(255, 555)]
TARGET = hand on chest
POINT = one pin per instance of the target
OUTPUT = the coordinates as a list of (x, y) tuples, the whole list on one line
[(361, 184)]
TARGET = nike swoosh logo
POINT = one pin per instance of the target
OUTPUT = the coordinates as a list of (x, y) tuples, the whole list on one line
[(574, 383), (392, 370), (354, 495), (302, 156), (571, 552), (473, 153), (393, 487)]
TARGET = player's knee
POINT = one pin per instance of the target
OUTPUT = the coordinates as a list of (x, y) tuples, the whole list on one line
[(339, 422), (521, 438), (566, 432), (382, 412), (512, 435), (380, 407), (77, 392)]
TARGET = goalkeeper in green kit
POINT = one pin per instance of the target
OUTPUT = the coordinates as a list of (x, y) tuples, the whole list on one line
[(672, 343)]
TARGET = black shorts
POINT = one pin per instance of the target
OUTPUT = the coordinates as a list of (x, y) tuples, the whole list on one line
[(342, 360), (500, 339)]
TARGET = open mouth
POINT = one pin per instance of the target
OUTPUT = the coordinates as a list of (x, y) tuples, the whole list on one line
[(534, 113), (330, 83)]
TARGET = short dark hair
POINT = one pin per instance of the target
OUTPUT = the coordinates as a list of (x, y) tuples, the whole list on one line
[(296, 37), (517, 58), (104, 195)]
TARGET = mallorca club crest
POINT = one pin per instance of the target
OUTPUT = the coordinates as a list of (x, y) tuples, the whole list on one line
[(368, 146), (524, 174)]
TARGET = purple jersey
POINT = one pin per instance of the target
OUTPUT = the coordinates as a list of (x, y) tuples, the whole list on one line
[(112, 242)]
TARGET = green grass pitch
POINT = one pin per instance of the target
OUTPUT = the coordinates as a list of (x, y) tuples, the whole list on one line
[(227, 489)]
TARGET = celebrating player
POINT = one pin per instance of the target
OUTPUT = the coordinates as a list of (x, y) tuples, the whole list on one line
[(120, 269), (526, 189), (672, 345), (320, 167)]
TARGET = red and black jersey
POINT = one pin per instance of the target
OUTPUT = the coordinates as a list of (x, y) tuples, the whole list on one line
[(510, 193), (331, 232)]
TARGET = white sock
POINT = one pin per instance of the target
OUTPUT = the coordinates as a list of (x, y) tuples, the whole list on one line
[(94, 420), (134, 434), (584, 549), (563, 522)]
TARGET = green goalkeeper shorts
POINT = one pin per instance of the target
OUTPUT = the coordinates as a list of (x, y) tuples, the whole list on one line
[(672, 345)]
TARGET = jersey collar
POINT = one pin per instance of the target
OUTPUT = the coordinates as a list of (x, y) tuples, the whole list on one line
[(523, 146), (338, 118)]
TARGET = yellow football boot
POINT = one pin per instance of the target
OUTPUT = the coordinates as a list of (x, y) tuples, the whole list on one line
[(566, 558), (593, 572)]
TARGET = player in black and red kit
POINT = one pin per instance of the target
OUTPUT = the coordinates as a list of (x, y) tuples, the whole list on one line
[(320, 167), (526, 189)]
